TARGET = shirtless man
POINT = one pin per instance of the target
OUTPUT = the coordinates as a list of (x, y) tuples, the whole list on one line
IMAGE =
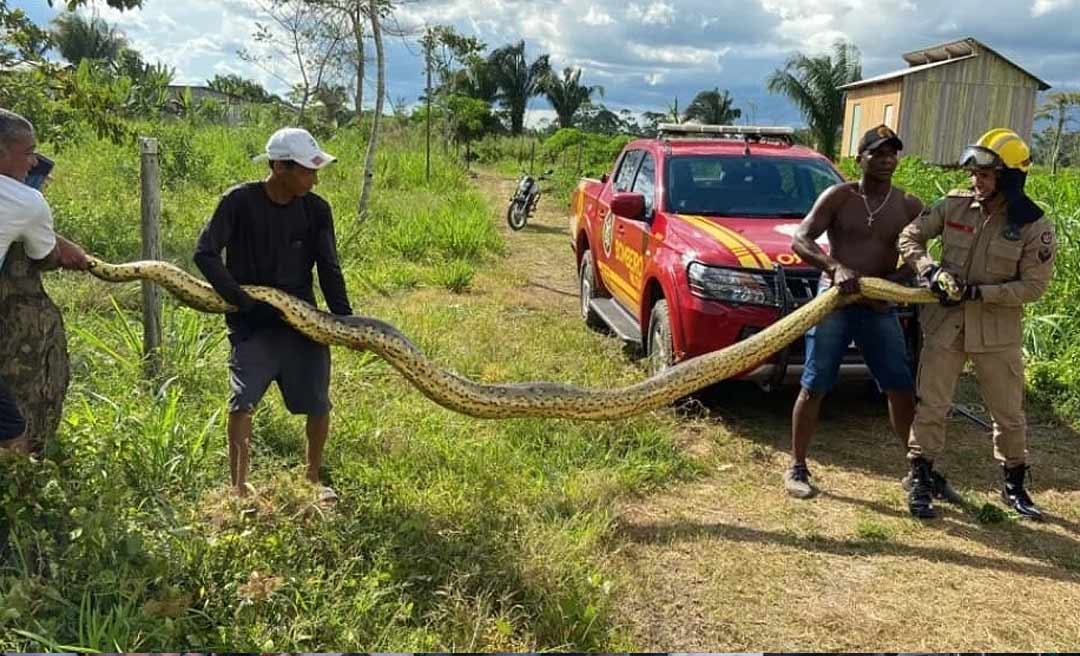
[(863, 220)]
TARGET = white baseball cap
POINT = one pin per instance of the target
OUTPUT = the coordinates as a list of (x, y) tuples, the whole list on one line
[(298, 145)]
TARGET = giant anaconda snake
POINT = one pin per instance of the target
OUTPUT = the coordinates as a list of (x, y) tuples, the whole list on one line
[(532, 399)]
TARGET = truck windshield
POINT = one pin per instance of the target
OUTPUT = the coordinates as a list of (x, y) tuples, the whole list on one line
[(737, 185)]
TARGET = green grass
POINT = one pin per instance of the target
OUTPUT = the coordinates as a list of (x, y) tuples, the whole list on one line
[(452, 533)]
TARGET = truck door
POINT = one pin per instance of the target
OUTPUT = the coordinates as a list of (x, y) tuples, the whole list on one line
[(632, 235), (612, 270)]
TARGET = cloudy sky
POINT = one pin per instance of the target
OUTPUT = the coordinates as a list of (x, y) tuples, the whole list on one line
[(644, 53)]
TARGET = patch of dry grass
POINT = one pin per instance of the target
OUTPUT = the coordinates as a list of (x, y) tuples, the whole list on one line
[(731, 563)]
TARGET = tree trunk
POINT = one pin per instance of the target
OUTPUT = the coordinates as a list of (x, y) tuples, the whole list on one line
[(358, 34), (1057, 140), (33, 352), (380, 90)]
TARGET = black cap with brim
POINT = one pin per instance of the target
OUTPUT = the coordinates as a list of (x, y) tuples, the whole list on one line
[(876, 137)]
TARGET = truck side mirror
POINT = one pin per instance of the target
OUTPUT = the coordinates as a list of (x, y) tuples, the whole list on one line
[(629, 205), (603, 178)]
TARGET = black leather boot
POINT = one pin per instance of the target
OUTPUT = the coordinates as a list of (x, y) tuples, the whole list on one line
[(921, 496), (1015, 496)]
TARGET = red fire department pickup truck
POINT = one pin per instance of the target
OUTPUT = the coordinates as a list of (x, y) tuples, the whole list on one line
[(685, 247)]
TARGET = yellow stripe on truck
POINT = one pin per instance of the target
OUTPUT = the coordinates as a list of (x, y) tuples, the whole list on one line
[(761, 256), (619, 286), (747, 252)]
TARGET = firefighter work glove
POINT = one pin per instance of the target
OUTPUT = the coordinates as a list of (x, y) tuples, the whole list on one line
[(945, 286)]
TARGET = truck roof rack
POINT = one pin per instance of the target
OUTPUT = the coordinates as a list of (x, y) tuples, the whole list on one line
[(741, 132)]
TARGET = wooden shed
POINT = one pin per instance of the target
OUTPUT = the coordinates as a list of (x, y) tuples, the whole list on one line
[(947, 97)]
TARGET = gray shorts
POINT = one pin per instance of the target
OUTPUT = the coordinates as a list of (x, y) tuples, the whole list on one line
[(300, 366)]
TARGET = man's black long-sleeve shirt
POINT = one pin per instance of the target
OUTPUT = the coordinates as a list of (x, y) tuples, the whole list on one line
[(273, 245)]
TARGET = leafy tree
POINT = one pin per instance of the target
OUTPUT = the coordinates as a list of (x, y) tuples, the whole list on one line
[(357, 15), (477, 79), (302, 35), (1059, 108), (23, 41), (450, 52), (518, 80), (210, 110), (240, 87), (72, 5), (150, 82), (813, 84), (78, 38), (472, 117), (567, 94), (650, 122), (600, 120), (712, 108)]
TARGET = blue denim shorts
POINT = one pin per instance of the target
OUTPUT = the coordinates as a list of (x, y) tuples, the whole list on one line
[(879, 337)]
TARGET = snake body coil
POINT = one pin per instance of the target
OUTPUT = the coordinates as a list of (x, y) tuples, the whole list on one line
[(498, 401)]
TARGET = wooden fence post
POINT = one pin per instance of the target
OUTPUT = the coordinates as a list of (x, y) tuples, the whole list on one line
[(532, 158), (151, 250)]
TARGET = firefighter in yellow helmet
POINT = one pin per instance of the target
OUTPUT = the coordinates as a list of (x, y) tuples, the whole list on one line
[(998, 253)]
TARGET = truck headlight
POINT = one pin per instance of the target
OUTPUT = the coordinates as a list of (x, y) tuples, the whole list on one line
[(730, 285)]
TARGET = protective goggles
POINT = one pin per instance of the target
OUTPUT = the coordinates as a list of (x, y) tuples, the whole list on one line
[(979, 157)]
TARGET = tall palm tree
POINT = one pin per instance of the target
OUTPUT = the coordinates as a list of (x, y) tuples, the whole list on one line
[(813, 84), (79, 38), (712, 108), (1058, 108), (476, 79), (518, 80), (567, 94)]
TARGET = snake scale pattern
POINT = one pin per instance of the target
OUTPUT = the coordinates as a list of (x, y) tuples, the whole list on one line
[(531, 399)]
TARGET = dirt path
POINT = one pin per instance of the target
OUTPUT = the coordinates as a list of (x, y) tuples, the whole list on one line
[(729, 563)]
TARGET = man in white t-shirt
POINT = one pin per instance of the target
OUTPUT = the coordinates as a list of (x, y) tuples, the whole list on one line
[(25, 217)]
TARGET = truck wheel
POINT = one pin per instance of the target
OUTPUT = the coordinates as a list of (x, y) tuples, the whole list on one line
[(587, 291), (516, 215), (661, 352)]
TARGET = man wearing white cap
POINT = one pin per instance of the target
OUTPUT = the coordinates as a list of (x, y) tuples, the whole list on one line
[(273, 232)]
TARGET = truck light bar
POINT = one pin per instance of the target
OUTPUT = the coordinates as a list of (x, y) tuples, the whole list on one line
[(746, 133), (732, 130)]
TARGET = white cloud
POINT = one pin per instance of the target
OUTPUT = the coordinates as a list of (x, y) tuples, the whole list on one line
[(534, 116), (597, 16), (658, 13), (1040, 7), (644, 52), (684, 55)]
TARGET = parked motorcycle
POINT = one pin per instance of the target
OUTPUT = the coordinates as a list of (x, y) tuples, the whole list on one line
[(525, 198)]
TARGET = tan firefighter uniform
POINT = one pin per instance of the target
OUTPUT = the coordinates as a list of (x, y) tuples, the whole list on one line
[(977, 249)]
